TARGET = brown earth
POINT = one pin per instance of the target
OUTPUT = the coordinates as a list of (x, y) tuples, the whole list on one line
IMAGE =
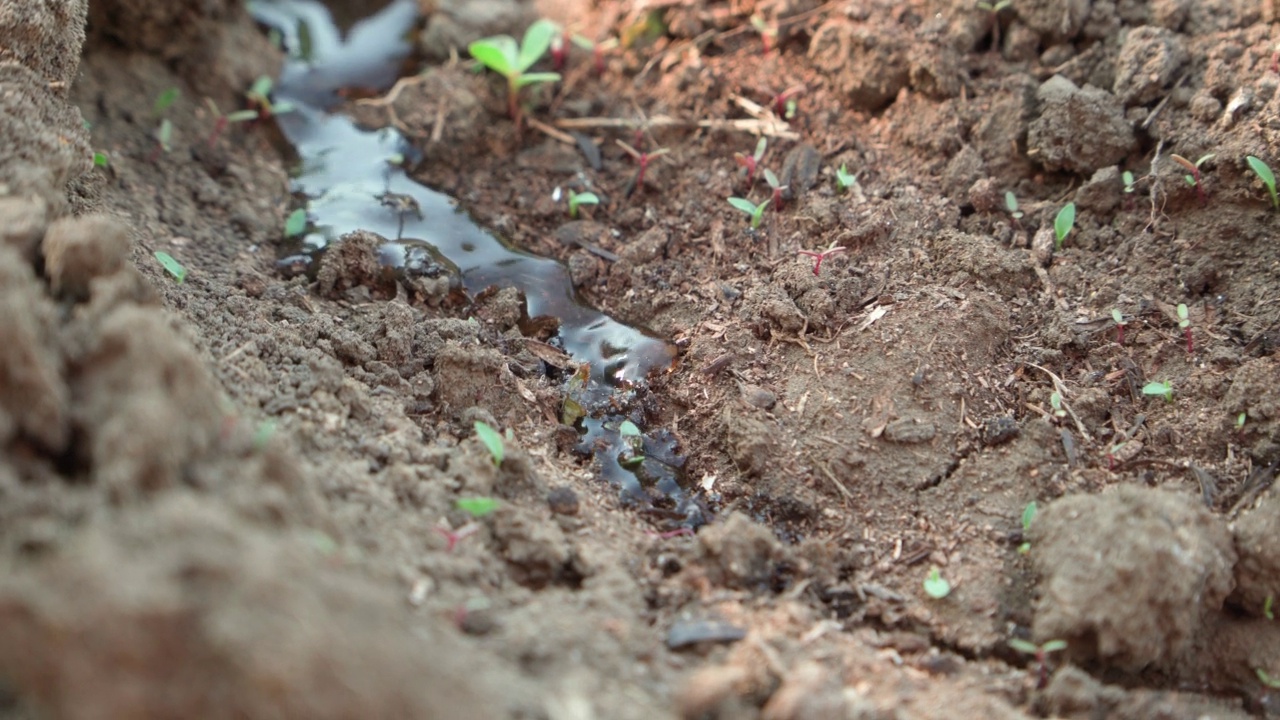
[(236, 496)]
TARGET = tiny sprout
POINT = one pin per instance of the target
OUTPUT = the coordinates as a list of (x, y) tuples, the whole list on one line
[(845, 179), (768, 31), (296, 223), (1266, 608), (165, 100), (777, 187), (259, 96), (164, 138), (752, 162), (1240, 421), (1127, 178), (576, 199), (1159, 389), (171, 266), (1195, 177), (633, 442), (1268, 178), (755, 211), (1184, 322), (1011, 203), (598, 49), (935, 586), (1028, 515), (1055, 401), (642, 161), (1120, 325), (1063, 224), (504, 56), (100, 160), (784, 103), (994, 7), (818, 257), (1267, 679), (1041, 653), (477, 507), (492, 440)]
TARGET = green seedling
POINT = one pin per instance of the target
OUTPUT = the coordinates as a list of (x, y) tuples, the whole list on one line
[(1194, 177), (576, 199), (1041, 654), (1267, 679), (752, 162), (1240, 421), (818, 257), (1266, 608), (492, 440), (1120, 325), (642, 164), (1184, 322), (633, 443), (755, 211), (502, 55), (777, 187), (165, 100), (296, 223), (597, 49), (477, 507), (1011, 204), (845, 180), (935, 586), (100, 160), (768, 30), (1028, 515), (1129, 182), (1159, 389), (1063, 224), (1055, 401), (171, 266), (1268, 178)]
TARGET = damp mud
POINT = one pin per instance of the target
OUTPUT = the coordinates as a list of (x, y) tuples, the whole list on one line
[(237, 495)]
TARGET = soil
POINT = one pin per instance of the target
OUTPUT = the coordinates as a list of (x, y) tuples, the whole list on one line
[(237, 495)]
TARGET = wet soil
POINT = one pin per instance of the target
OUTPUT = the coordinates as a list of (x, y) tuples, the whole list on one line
[(237, 495)]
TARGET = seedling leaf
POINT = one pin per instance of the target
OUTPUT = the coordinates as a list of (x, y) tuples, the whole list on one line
[(477, 507), (100, 160), (1053, 646), (1028, 514), (845, 179), (743, 204), (1159, 389), (1268, 178), (1184, 318), (1115, 315), (498, 53), (1266, 608), (1267, 679), (1064, 222), (1024, 646), (173, 267), (166, 99), (540, 77), (628, 429), (537, 39), (492, 440), (935, 586), (296, 223)]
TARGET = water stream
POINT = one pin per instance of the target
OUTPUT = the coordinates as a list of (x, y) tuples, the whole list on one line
[(350, 183)]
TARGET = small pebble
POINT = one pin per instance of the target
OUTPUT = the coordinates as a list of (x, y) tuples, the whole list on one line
[(563, 501)]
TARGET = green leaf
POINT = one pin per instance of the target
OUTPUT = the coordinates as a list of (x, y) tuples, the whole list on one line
[(240, 116), (296, 223), (537, 39), (165, 134), (100, 160), (491, 440), (1267, 679), (166, 99), (743, 204), (935, 586), (1028, 514), (1262, 170), (772, 179), (1184, 317), (1024, 646), (261, 88), (1053, 646), (627, 428), (1159, 389), (1011, 201), (477, 506), (1115, 315), (173, 267), (541, 77), (497, 53), (1064, 222), (1266, 605)]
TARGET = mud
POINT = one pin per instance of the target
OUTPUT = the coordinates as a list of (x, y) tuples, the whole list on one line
[(236, 495)]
